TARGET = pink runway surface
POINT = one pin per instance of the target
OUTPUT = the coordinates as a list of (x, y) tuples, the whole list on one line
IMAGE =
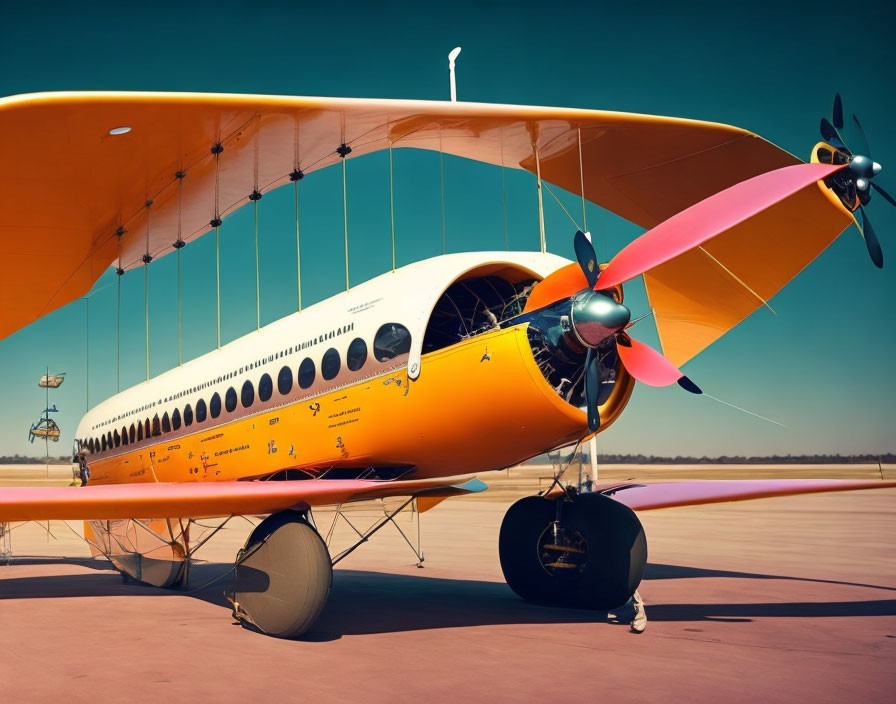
[(787, 599)]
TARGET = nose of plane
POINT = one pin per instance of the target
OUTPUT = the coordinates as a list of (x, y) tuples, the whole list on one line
[(596, 316)]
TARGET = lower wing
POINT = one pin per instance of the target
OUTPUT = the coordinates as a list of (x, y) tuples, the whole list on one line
[(212, 499), (209, 499), (644, 497)]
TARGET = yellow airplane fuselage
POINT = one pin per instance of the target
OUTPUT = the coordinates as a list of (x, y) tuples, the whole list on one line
[(479, 405)]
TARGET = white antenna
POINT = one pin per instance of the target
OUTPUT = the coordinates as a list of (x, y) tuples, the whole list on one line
[(451, 57)]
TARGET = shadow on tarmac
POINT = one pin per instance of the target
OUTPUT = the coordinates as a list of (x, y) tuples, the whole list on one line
[(363, 602), (659, 571)]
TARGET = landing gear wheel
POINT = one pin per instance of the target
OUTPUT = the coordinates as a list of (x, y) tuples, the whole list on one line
[(588, 552), (282, 576)]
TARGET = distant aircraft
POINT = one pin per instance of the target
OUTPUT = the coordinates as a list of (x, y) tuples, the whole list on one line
[(455, 365)]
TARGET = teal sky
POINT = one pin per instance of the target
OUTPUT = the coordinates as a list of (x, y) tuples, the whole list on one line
[(823, 366)]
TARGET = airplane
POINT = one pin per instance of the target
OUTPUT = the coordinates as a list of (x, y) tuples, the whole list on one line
[(408, 383), (51, 381)]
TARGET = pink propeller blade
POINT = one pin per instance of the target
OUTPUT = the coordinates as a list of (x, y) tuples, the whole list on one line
[(650, 367), (708, 218)]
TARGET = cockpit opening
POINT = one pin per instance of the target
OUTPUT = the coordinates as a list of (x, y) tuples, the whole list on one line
[(473, 306)]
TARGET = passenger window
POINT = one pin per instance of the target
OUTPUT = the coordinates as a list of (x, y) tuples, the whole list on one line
[(188, 415), (146, 431), (117, 439), (265, 387), (214, 406), (139, 432), (156, 426), (104, 443), (230, 400), (166, 423), (391, 340), (357, 354), (247, 395), (306, 373), (200, 410), (124, 436), (175, 419), (330, 364), (284, 381)]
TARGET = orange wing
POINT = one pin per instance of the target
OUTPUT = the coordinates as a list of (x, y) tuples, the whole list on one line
[(69, 185), (207, 499)]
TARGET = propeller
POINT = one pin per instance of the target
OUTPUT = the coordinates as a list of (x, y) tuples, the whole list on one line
[(592, 388), (710, 217), (596, 316), (871, 242), (586, 257), (854, 185)]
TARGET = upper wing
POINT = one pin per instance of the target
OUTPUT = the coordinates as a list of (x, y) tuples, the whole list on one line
[(68, 186), (207, 499), (644, 497), (700, 295)]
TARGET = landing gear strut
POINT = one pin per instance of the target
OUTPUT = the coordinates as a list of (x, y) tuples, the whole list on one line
[(586, 551)]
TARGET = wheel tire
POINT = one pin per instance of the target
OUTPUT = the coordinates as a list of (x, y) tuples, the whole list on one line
[(614, 563), (282, 577), (617, 552), (521, 529)]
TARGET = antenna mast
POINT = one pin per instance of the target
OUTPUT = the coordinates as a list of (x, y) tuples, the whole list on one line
[(451, 57)]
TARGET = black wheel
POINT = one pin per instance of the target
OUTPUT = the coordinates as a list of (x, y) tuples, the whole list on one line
[(522, 528), (589, 552), (282, 576)]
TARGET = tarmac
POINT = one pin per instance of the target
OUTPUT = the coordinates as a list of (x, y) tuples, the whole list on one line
[(785, 599)]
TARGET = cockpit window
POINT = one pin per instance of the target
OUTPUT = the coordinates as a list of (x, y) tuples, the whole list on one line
[(391, 340)]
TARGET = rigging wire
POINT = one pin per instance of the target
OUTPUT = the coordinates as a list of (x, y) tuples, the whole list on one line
[(345, 222), (87, 352), (582, 181), (298, 245), (560, 203), (179, 245), (504, 194), (255, 197), (541, 234), (738, 279), (392, 205), (442, 189), (147, 258), (216, 223), (746, 411), (119, 272)]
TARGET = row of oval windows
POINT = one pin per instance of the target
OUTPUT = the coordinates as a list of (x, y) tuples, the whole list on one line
[(390, 341)]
